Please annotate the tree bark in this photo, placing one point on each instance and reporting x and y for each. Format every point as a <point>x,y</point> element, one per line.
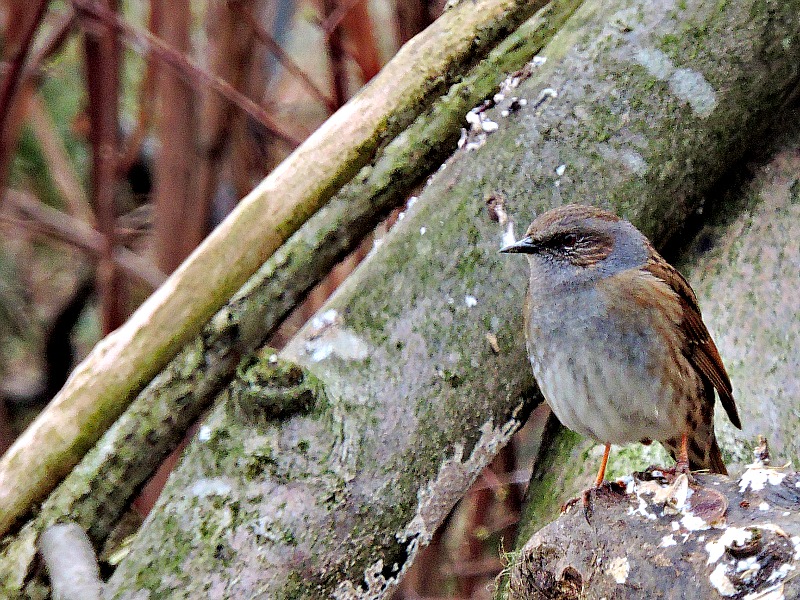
<point>644,106</point>
<point>655,542</point>
<point>95,395</point>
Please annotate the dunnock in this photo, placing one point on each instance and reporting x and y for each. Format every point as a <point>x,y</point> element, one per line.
<point>616,339</point>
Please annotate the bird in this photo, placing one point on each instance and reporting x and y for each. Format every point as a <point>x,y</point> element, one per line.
<point>617,342</point>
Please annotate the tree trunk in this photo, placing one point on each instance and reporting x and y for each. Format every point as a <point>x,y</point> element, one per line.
<point>639,108</point>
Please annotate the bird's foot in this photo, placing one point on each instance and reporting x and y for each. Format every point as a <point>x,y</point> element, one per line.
<point>608,489</point>
<point>666,475</point>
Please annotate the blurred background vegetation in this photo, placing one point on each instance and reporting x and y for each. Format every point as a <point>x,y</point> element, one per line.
<point>127,131</point>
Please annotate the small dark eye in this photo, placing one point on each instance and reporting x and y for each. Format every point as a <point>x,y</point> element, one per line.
<point>570,240</point>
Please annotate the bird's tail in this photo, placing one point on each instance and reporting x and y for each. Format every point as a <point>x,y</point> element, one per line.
<point>715,464</point>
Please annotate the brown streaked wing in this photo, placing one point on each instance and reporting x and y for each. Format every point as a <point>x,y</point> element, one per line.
<point>700,350</point>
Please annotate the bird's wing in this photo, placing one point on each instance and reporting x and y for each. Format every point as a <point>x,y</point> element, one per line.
<point>700,348</point>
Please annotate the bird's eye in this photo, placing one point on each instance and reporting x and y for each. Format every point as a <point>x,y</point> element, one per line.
<point>570,240</point>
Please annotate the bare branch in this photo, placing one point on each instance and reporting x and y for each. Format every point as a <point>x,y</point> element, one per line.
<point>265,38</point>
<point>191,72</point>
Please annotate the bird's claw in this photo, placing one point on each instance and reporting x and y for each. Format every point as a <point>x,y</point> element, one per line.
<point>587,497</point>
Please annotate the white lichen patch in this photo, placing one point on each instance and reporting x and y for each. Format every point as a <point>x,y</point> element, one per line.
<point>619,569</point>
<point>687,85</point>
<point>328,337</point>
<point>720,581</point>
<point>376,585</point>
<point>691,87</point>
<point>781,572</point>
<point>489,126</point>
<point>641,509</point>
<point>470,301</point>
<point>756,477</point>
<point>204,434</point>
<point>764,506</point>
<point>215,486</point>
<point>634,161</point>
<point>667,541</point>
<point>691,522</point>
<point>732,536</point>
<point>774,592</point>
<point>322,320</point>
<point>657,63</point>
<point>747,568</point>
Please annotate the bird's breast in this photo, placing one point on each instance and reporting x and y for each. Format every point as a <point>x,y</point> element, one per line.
<point>603,371</point>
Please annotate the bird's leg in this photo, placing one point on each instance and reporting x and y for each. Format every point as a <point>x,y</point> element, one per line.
<point>599,484</point>
<point>682,464</point>
<point>670,475</point>
<point>601,473</point>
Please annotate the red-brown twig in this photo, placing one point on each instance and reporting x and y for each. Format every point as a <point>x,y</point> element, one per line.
<point>275,48</point>
<point>180,219</point>
<point>17,88</point>
<point>102,78</point>
<point>16,61</point>
<point>58,33</point>
<point>193,74</point>
<point>333,18</point>
<point>147,95</point>
<point>19,46</point>
<point>336,54</point>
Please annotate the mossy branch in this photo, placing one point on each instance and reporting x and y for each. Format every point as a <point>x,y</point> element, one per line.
<point>103,385</point>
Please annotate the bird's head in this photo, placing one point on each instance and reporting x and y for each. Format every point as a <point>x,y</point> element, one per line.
<point>579,240</point>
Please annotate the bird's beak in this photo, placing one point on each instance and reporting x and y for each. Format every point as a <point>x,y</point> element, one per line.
<point>524,246</point>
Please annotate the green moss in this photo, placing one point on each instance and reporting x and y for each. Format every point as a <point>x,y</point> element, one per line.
<point>794,192</point>
<point>625,460</point>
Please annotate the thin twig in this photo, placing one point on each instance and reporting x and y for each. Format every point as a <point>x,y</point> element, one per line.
<point>336,54</point>
<point>59,31</point>
<point>334,18</point>
<point>12,80</point>
<point>16,62</point>
<point>187,69</point>
<point>53,223</point>
<point>9,131</point>
<point>58,162</point>
<point>102,79</point>
<point>263,35</point>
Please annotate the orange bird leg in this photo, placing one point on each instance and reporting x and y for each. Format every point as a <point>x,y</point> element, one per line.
<point>601,474</point>
<point>598,484</point>
<point>682,464</point>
